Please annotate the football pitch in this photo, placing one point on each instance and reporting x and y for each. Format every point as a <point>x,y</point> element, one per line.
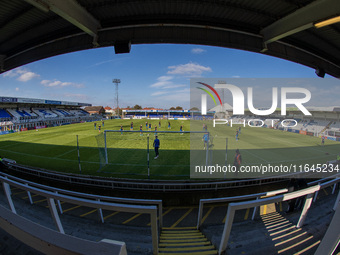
<point>55,148</point>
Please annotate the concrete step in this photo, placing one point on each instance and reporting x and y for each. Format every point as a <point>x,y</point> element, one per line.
<point>185,241</point>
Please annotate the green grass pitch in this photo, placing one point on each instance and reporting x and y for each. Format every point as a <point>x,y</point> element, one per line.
<point>56,148</point>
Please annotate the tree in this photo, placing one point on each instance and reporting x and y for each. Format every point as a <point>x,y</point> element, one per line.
<point>194,109</point>
<point>172,108</point>
<point>137,107</point>
<point>179,108</point>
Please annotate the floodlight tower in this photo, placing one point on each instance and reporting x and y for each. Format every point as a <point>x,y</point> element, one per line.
<point>116,81</point>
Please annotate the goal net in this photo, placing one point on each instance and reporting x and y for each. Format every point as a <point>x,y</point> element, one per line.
<point>131,153</point>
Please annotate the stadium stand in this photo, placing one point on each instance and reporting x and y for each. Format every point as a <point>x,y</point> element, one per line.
<point>62,112</point>
<point>21,114</point>
<point>4,115</point>
<point>46,113</point>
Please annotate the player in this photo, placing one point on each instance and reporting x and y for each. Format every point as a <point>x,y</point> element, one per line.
<point>156,144</point>
<point>121,129</point>
<point>323,140</point>
<point>169,125</point>
<point>99,127</point>
<point>149,126</point>
<point>237,160</point>
<point>131,126</point>
<point>155,130</point>
<point>181,130</point>
<point>206,141</point>
<point>141,130</point>
<point>146,125</point>
<point>159,124</point>
<point>103,123</point>
<point>239,130</point>
<point>95,125</point>
<point>237,135</point>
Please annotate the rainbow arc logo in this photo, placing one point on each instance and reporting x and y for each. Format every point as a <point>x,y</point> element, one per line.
<point>209,93</point>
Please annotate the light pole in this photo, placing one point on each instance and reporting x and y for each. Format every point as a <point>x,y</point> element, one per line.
<point>116,81</point>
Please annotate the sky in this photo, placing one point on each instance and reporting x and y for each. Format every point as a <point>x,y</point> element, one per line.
<point>155,75</point>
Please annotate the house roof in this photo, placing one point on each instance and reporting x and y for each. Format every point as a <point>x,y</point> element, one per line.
<point>94,108</point>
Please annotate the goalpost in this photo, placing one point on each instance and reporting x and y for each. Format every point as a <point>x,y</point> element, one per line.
<point>131,149</point>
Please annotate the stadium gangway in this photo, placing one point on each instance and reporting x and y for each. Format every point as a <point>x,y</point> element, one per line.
<point>233,207</point>
<point>233,199</point>
<point>90,196</point>
<point>49,241</point>
<point>51,197</point>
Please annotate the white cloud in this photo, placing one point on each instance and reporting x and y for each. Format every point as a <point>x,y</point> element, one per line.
<point>56,83</point>
<point>76,96</point>
<point>197,50</point>
<point>162,81</point>
<point>173,86</point>
<point>158,93</point>
<point>9,74</point>
<point>24,74</point>
<point>16,89</point>
<point>189,69</point>
<point>165,82</point>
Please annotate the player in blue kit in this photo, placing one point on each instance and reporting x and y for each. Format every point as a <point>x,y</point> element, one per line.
<point>156,144</point>
<point>206,140</point>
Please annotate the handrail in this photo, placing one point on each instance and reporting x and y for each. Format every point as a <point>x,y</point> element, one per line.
<point>233,207</point>
<point>49,241</point>
<point>324,180</point>
<point>51,196</point>
<point>91,196</point>
<point>235,198</point>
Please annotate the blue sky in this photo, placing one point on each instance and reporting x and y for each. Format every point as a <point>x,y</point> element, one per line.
<point>151,75</point>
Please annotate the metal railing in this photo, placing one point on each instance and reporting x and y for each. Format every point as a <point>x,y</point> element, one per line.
<point>158,203</point>
<point>320,181</point>
<point>233,207</point>
<point>256,196</point>
<point>52,196</point>
<point>233,199</point>
<point>147,185</point>
<point>49,241</point>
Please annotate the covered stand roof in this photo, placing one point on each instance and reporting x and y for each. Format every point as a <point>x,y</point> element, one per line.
<point>35,29</point>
